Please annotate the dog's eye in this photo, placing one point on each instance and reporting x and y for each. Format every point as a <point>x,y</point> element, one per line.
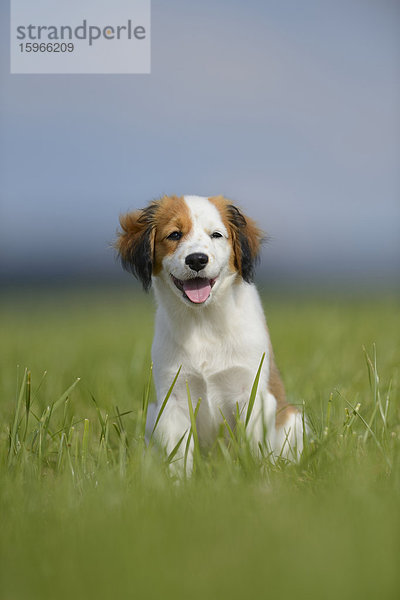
<point>216,234</point>
<point>175,235</point>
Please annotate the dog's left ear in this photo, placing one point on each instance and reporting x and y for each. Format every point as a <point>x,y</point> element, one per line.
<point>135,243</point>
<point>247,239</point>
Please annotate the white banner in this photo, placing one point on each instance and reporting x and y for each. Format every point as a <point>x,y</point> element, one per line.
<point>80,36</point>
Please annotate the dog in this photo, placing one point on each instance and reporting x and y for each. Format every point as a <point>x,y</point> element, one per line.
<point>199,254</point>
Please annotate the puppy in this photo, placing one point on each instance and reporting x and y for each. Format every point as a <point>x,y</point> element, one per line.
<point>199,254</point>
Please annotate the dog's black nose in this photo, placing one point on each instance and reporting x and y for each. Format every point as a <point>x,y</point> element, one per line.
<point>196,261</point>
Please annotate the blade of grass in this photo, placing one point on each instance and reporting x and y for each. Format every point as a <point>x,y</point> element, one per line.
<point>160,412</point>
<point>328,414</point>
<point>14,428</point>
<point>228,427</point>
<point>192,432</point>
<point>65,395</point>
<point>27,402</point>
<point>85,445</point>
<point>60,451</point>
<point>175,449</point>
<point>379,445</point>
<point>145,404</point>
<point>254,392</point>
<point>100,418</point>
<point>193,419</point>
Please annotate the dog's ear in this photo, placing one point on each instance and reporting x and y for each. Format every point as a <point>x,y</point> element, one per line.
<point>135,243</point>
<point>246,239</point>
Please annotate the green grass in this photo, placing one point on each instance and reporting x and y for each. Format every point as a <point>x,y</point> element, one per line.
<point>86,510</point>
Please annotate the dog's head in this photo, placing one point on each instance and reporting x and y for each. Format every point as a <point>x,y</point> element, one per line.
<point>191,243</point>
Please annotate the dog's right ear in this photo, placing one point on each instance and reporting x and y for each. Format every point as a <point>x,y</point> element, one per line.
<point>247,239</point>
<point>135,243</point>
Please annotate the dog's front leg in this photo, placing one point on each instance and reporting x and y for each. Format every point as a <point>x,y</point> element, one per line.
<point>172,433</point>
<point>173,429</point>
<point>261,425</point>
<point>284,441</point>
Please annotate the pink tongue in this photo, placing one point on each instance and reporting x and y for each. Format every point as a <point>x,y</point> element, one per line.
<point>197,290</point>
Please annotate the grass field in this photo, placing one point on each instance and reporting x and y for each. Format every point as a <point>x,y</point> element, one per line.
<point>88,512</point>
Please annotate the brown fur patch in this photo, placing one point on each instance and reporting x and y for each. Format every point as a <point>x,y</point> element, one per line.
<point>135,243</point>
<point>241,229</point>
<point>133,226</point>
<point>276,387</point>
<point>146,231</point>
<point>172,215</point>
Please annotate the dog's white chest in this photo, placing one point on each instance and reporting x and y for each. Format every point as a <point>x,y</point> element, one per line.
<point>219,358</point>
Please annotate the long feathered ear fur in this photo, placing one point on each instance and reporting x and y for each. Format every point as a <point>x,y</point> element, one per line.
<point>135,243</point>
<point>247,239</point>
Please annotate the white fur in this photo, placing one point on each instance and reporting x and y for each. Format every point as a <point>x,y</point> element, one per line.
<point>219,345</point>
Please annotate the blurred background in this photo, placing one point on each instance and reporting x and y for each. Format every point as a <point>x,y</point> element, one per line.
<point>290,109</point>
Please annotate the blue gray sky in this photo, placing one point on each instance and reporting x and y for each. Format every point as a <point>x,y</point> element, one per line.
<point>292,109</point>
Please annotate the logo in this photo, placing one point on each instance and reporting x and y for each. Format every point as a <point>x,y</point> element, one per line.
<point>81,32</point>
<point>67,36</point>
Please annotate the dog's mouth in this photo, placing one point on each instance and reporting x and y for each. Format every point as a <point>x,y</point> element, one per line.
<point>196,290</point>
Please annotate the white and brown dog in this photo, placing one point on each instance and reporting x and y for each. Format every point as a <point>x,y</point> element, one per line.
<point>199,253</point>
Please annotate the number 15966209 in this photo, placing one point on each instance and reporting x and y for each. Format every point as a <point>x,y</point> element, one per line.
<point>47,47</point>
